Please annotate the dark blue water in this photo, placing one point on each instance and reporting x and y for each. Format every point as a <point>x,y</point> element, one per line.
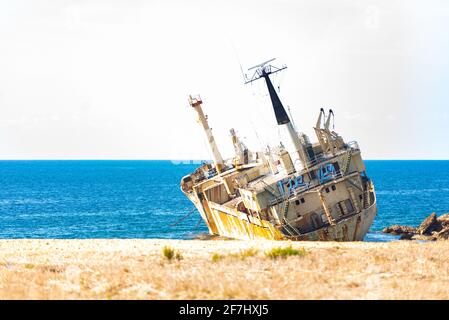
<point>141,199</point>
<point>407,192</point>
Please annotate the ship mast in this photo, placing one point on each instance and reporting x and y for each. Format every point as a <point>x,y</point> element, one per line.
<point>264,70</point>
<point>196,103</point>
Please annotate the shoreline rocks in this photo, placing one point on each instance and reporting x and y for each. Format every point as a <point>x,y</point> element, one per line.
<point>397,229</point>
<point>431,229</point>
<point>429,225</point>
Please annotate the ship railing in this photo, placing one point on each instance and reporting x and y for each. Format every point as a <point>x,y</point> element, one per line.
<point>321,157</point>
<point>353,145</point>
<point>315,160</point>
<point>305,187</point>
<point>270,189</point>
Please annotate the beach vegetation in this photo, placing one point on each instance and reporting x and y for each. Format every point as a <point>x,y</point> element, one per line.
<point>245,253</point>
<point>242,254</point>
<point>170,253</point>
<point>250,252</point>
<point>279,252</point>
<point>217,257</point>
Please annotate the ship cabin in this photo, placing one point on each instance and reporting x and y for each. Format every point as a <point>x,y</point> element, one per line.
<point>331,189</point>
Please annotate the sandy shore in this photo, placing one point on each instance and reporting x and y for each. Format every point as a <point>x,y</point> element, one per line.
<point>221,269</point>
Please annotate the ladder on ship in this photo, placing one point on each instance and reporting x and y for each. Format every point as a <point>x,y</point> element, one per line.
<point>346,162</point>
<point>366,197</point>
<point>284,209</point>
<point>291,230</point>
<point>270,189</point>
<point>355,201</point>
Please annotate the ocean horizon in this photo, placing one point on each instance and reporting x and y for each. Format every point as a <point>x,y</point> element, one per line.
<point>71,199</point>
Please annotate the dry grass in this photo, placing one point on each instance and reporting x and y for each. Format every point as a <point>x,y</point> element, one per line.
<point>285,252</point>
<point>171,253</point>
<point>140,269</point>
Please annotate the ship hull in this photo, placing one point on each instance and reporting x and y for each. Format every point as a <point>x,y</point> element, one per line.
<point>353,228</point>
<point>244,227</point>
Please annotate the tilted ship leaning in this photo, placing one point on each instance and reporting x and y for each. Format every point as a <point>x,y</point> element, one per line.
<point>264,195</point>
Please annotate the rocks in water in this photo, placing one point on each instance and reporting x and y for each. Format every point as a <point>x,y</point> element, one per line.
<point>406,236</point>
<point>397,229</point>
<point>444,220</point>
<point>429,225</point>
<point>422,237</point>
<point>431,229</point>
<point>406,232</point>
<point>443,234</point>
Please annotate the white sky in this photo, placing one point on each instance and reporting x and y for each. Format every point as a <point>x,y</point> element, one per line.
<point>110,79</point>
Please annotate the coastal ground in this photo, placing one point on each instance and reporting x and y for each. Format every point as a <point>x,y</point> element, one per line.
<point>222,269</point>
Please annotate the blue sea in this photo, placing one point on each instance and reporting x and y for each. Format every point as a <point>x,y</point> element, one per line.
<point>142,199</point>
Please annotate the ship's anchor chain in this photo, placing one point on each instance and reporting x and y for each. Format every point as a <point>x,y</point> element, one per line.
<point>198,224</point>
<point>183,218</point>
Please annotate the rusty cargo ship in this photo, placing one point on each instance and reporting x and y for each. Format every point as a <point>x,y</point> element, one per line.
<point>325,195</point>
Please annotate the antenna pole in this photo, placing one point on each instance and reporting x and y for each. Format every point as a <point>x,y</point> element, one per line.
<point>264,71</point>
<point>291,117</point>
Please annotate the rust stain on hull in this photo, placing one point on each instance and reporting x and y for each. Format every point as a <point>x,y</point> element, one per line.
<point>229,225</point>
<point>234,227</point>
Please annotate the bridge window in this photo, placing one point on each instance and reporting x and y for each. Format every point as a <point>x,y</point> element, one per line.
<point>334,187</point>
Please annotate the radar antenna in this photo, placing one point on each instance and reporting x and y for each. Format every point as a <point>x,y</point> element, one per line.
<point>263,70</point>
<point>261,64</point>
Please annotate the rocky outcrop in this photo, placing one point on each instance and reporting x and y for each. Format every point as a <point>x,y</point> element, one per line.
<point>429,225</point>
<point>444,220</point>
<point>397,229</point>
<point>422,237</point>
<point>432,228</point>
<point>444,234</point>
<point>407,236</point>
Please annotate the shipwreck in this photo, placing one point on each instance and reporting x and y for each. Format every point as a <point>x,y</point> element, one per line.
<point>326,195</point>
